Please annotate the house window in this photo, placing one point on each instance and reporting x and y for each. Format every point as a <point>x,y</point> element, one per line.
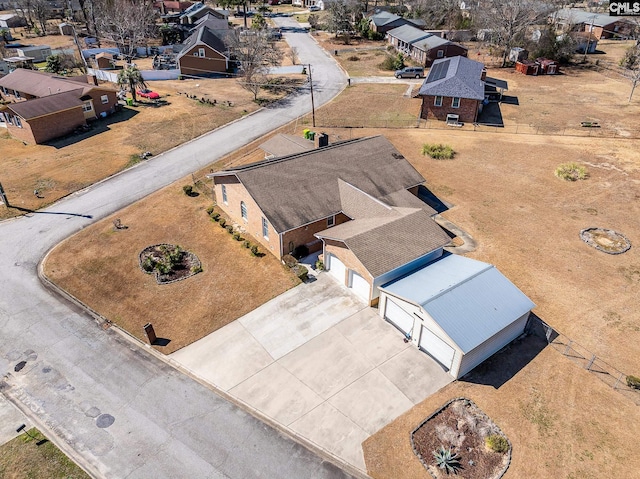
<point>2,118</point>
<point>455,102</point>
<point>86,106</point>
<point>224,194</point>
<point>201,52</point>
<point>265,228</point>
<point>104,99</point>
<point>243,210</point>
<point>437,101</point>
<point>18,122</point>
<point>331,220</point>
<point>17,94</point>
<point>440,53</point>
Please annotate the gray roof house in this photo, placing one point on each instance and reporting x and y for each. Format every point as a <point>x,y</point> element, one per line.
<point>354,200</point>
<point>455,77</point>
<point>204,52</point>
<point>423,47</point>
<point>599,24</point>
<point>383,21</point>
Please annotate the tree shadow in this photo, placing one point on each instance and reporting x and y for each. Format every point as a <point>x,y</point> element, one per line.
<point>28,210</point>
<point>96,127</point>
<point>507,362</point>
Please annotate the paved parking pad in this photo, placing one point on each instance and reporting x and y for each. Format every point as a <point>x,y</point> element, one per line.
<point>320,362</point>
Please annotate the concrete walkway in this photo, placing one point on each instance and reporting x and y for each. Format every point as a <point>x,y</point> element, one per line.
<point>319,362</point>
<point>10,419</point>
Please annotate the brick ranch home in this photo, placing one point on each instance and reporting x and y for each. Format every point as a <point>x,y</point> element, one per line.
<point>454,86</point>
<point>355,201</point>
<point>44,106</point>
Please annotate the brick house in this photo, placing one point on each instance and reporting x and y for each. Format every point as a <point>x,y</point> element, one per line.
<point>44,106</point>
<point>383,21</point>
<point>421,46</point>
<point>355,201</point>
<point>204,52</point>
<point>454,86</point>
<point>598,24</point>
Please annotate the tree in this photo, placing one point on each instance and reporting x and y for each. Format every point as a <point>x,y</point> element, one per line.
<point>631,64</point>
<point>340,19</point>
<point>509,19</point>
<point>256,54</point>
<point>438,13</point>
<point>54,64</point>
<point>556,47</point>
<point>258,22</point>
<point>127,23</point>
<point>131,78</point>
<point>41,10</point>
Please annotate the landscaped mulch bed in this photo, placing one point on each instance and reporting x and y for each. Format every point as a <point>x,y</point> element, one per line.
<point>180,264</point>
<point>461,426</point>
<point>605,240</point>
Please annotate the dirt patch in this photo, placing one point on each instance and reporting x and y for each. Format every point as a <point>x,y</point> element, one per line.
<point>460,430</point>
<point>100,266</point>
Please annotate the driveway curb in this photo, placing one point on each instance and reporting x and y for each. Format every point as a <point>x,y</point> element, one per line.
<point>104,323</point>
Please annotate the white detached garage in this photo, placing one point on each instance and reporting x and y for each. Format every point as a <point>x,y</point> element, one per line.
<point>458,310</point>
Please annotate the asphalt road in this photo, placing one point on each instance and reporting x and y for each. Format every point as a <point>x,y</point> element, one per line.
<point>115,408</point>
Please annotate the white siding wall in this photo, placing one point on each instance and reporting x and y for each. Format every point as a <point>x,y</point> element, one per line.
<point>490,346</point>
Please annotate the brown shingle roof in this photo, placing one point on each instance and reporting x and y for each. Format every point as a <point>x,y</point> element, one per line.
<point>282,145</point>
<point>299,189</point>
<point>40,84</point>
<point>46,105</point>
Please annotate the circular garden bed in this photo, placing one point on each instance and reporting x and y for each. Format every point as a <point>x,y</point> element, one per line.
<point>459,439</point>
<point>169,263</point>
<point>608,241</point>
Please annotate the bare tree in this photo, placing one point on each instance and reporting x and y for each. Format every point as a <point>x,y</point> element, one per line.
<point>340,19</point>
<point>438,13</point>
<point>293,55</point>
<point>631,64</point>
<point>509,20</point>
<point>255,53</point>
<point>41,10</point>
<point>127,23</point>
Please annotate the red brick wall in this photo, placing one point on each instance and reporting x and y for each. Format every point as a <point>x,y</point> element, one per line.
<point>349,259</point>
<point>304,234</point>
<point>213,62</point>
<point>468,109</point>
<point>449,50</point>
<point>45,128</point>
<point>98,106</point>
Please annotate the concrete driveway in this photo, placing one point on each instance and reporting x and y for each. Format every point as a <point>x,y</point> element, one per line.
<point>319,362</point>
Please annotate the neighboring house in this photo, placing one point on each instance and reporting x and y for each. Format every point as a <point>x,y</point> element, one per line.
<point>423,47</point>
<point>165,7</point>
<point>355,200</point>
<point>219,26</point>
<point>203,53</point>
<point>199,10</point>
<point>39,53</point>
<point>383,21</point>
<point>454,86</point>
<point>11,20</point>
<point>458,310</point>
<point>283,145</point>
<point>599,24</point>
<point>42,112</point>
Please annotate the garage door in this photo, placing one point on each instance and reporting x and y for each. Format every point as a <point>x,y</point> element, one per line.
<point>436,347</point>
<point>360,286</point>
<point>398,317</point>
<point>337,268</point>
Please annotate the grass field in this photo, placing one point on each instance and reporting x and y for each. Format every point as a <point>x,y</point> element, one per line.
<point>33,456</point>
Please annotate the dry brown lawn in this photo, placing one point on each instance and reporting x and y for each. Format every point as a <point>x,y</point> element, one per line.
<point>66,166</point>
<point>100,267</point>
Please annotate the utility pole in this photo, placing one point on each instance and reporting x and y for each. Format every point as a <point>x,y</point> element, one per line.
<point>313,107</point>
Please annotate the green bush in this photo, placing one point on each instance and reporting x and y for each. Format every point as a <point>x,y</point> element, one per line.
<point>237,237</point>
<point>247,244</point>
<point>289,260</point>
<point>229,229</point>
<point>438,151</point>
<point>196,269</point>
<point>319,265</point>
<point>222,222</point>
<point>497,443</point>
<point>571,172</point>
<point>188,190</point>
<point>149,264</point>
<point>254,250</point>
<point>447,460</point>
<point>210,210</point>
<point>215,217</point>
<point>633,382</point>
<point>301,272</point>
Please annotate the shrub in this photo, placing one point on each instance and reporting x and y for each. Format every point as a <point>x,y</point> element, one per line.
<point>254,250</point>
<point>222,222</point>
<point>438,151</point>
<point>215,217</point>
<point>210,210</point>
<point>196,269</point>
<point>301,272</point>
<point>497,443</point>
<point>229,229</point>
<point>446,459</point>
<point>353,58</point>
<point>247,244</point>
<point>388,64</point>
<point>237,237</point>
<point>149,264</point>
<point>571,172</point>
<point>633,382</point>
<point>188,190</point>
<point>319,265</point>
<point>300,251</point>
<point>289,260</point>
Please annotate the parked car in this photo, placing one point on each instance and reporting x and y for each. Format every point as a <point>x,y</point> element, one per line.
<point>314,8</point>
<point>146,93</point>
<point>410,72</point>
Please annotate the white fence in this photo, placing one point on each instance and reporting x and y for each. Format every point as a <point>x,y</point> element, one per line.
<point>147,75</point>
<point>103,75</point>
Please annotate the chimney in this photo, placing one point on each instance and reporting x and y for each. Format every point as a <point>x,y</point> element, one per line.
<point>484,74</point>
<point>323,140</point>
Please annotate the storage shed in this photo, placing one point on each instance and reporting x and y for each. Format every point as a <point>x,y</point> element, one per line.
<point>548,67</point>
<point>39,53</point>
<point>457,310</point>
<point>518,54</point>
<point>66,28</point>
<point>527,67</point>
